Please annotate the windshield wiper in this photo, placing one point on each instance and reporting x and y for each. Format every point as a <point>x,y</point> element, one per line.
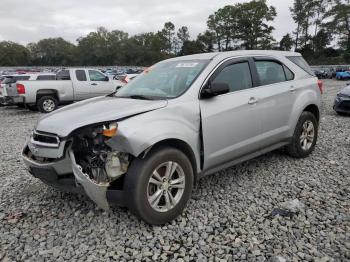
<point>141,97</point>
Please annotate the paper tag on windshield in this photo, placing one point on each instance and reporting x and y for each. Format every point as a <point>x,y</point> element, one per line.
<point>187,65</point>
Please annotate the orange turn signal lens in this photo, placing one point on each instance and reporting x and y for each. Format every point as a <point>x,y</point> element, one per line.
<point>111,131</point>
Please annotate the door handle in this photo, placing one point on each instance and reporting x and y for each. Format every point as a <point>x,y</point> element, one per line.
<point>252,101</point>
<point>94,84</point>
<point>292,89</point>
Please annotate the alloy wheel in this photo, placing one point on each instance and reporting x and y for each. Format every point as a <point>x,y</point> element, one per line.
<point>166,186</point>
<point>307,135</point>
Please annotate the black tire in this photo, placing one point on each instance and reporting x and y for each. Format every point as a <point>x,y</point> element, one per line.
<point>136,185</point>
<point>42,104</point>
<point>20,105</point>
<point>295,149</point>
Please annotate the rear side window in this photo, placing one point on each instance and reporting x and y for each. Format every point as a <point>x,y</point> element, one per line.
<point>9,80</point>
<point>80,74</point>
<point>21,78</point>
<point>14,79</point>
<point>300,61</point>
<point>237,76</point>
<point>46,77</point>
<point>289,73</point>
<point>270,72</point>
<point>63,75</point>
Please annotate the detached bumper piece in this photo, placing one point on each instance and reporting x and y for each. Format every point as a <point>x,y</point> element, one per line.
<point>73,181</point>
<point>96,192</point>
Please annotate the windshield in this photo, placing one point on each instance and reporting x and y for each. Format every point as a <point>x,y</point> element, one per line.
<point>164,80</point>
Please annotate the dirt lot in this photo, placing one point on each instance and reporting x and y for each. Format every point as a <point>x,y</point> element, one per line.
<point>228,218</point>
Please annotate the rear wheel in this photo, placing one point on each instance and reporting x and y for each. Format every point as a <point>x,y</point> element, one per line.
<point>47,104</point>
<point>304,137</point>
<point>159,186</point>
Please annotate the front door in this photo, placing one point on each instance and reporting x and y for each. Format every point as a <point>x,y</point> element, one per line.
<point>81,85</point>
<point>100,84</point>
<point>231,122</point>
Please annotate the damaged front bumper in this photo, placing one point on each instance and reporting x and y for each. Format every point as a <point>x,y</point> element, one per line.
<point>65,174</point>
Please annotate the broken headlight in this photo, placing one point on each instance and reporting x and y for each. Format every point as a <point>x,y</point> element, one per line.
<point>99,161</point>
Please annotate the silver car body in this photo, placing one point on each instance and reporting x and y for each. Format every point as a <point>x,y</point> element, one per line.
<point>215,133</point>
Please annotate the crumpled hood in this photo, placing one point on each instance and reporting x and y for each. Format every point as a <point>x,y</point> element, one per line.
<point>96,110</point>
<point>346,90</point>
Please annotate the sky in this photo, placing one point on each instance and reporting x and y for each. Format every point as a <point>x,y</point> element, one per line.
<point>26,21</point>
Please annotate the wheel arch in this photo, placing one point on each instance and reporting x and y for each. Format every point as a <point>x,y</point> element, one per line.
<point>312,108</point>
<point>47,92</point>
<point>181,146</point>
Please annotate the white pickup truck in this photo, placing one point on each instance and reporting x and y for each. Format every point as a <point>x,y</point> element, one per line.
<point>71,85</point>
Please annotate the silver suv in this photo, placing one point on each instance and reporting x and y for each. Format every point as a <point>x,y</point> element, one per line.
<point>146,146</point>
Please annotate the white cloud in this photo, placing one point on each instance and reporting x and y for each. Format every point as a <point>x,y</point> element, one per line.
<point>29,21</point>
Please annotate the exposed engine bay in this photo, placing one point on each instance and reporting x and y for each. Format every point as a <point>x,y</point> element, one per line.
<point>95,164</point>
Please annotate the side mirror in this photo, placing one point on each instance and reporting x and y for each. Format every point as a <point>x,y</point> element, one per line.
<point>106,78</point>
<point>215,89</point>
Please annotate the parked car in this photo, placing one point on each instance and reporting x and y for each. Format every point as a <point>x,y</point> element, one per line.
<point>8,91</point>
<point>345,75</point>
<point>342,101</point>
<point>147,145</point>
<point>323,73</point>
<point>71,85</point>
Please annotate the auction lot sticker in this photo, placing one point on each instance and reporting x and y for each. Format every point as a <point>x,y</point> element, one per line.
<point>187,65</point>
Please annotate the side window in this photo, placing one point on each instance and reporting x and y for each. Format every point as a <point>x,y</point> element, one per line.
<point>63,75</point>
<point>46,77</point>
<point>289,73</point>
<point>270,72</point>
<point>80,74</point>
<point>237,76</point>
<point>21,78</point>
<point>96,76</point>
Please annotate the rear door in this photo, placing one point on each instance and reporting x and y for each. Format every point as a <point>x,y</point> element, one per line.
<point>82,88</point>
<point>100,84</point>
<point>277,96</point>
<point>231,122</point>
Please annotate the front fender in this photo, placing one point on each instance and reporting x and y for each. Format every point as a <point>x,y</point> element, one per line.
<point>138,133</point>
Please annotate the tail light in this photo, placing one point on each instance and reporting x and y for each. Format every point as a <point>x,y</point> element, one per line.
<point>320,86</point>
<point>20,89</point>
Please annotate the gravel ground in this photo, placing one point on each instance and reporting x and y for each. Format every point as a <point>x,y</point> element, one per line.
<point>228,218</point>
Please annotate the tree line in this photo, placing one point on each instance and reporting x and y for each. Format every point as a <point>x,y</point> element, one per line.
<point>321,34</point>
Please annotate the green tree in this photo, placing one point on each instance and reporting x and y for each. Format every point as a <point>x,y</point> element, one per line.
<point>321,40</point>
<point>13,54</point>
<point>183,34</point>
<point>53,51</point>
<point>222,24</point>
<point>253,28</point>
<point>168,33</point>
<point>207,40</point>
<point>339,16</point>
<point>93,48</point>
<point>286,43</point>
<point>192,47</point>
<point>306,13</point>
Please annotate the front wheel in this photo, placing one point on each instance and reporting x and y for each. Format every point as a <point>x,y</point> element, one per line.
<point>304,137</point>
<point>159,186</point>
<point>47,104</point>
